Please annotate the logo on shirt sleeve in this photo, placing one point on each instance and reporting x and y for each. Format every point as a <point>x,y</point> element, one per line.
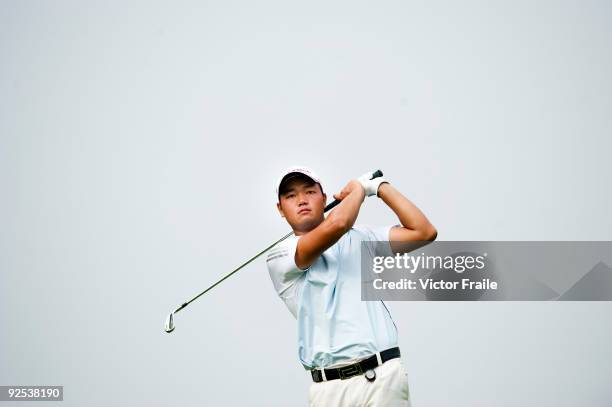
<point>277,253</point>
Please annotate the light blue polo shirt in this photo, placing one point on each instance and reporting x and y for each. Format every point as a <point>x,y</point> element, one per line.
<point>334,326</point>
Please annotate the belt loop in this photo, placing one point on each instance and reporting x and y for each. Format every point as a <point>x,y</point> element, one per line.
<point>323,374</point>
<point>379,359</point>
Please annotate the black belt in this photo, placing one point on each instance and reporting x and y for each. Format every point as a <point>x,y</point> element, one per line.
<point>355,369</point>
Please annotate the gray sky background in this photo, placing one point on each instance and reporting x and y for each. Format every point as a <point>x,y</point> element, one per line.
<point>140,142</point>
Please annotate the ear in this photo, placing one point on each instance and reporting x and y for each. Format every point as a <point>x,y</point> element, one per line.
<point>280,210</point>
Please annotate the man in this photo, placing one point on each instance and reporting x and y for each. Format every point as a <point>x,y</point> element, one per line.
<point>350,346</point>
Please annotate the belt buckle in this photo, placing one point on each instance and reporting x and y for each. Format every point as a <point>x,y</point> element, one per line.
<point>350,371</point>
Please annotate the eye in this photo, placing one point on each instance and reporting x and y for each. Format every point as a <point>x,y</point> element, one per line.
<point>289,196</point>
<point>311,192</point>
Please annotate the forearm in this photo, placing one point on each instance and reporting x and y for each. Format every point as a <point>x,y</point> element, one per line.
<point>408,214</point>
<point>345,214</point>
<point>339,221</point>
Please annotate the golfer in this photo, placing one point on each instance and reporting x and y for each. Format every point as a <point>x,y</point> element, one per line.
<point>349,346</point>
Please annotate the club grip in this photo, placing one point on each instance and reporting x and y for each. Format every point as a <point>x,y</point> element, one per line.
<point>331,205</point>
<point>375,174</point>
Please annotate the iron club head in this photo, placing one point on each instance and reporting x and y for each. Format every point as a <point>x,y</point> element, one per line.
<point>170,323</point>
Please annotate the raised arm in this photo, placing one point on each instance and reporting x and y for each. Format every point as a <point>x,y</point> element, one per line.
<point>415,225</point>
<point>327,233</point>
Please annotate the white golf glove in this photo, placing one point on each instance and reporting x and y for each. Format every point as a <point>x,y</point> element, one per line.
<point>371,185</point>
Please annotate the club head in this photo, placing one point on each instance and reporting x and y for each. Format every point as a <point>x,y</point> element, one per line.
<point>170,323</point>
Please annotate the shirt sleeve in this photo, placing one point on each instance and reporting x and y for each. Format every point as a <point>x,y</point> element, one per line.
<point>284,272</point>
<point>377,234</point>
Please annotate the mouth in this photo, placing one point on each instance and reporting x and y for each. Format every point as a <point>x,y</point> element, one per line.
<point>303,211</point>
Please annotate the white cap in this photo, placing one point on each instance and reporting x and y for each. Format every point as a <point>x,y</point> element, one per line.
<point>297,169</point>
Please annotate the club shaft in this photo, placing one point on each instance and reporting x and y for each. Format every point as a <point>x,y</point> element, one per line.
<point>230,274</point>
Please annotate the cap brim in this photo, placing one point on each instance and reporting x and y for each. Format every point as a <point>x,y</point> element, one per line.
<point>291,176</point>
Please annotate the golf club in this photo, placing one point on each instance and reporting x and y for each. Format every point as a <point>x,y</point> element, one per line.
<point>169,327</point>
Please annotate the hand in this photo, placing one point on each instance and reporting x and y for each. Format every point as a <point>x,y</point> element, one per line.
<point>353,185</point>
<point>370,185</point>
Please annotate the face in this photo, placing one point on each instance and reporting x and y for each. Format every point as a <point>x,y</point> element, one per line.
<point>302,204</point>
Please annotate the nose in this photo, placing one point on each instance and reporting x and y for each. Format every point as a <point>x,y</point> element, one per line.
<point>302,199</point>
